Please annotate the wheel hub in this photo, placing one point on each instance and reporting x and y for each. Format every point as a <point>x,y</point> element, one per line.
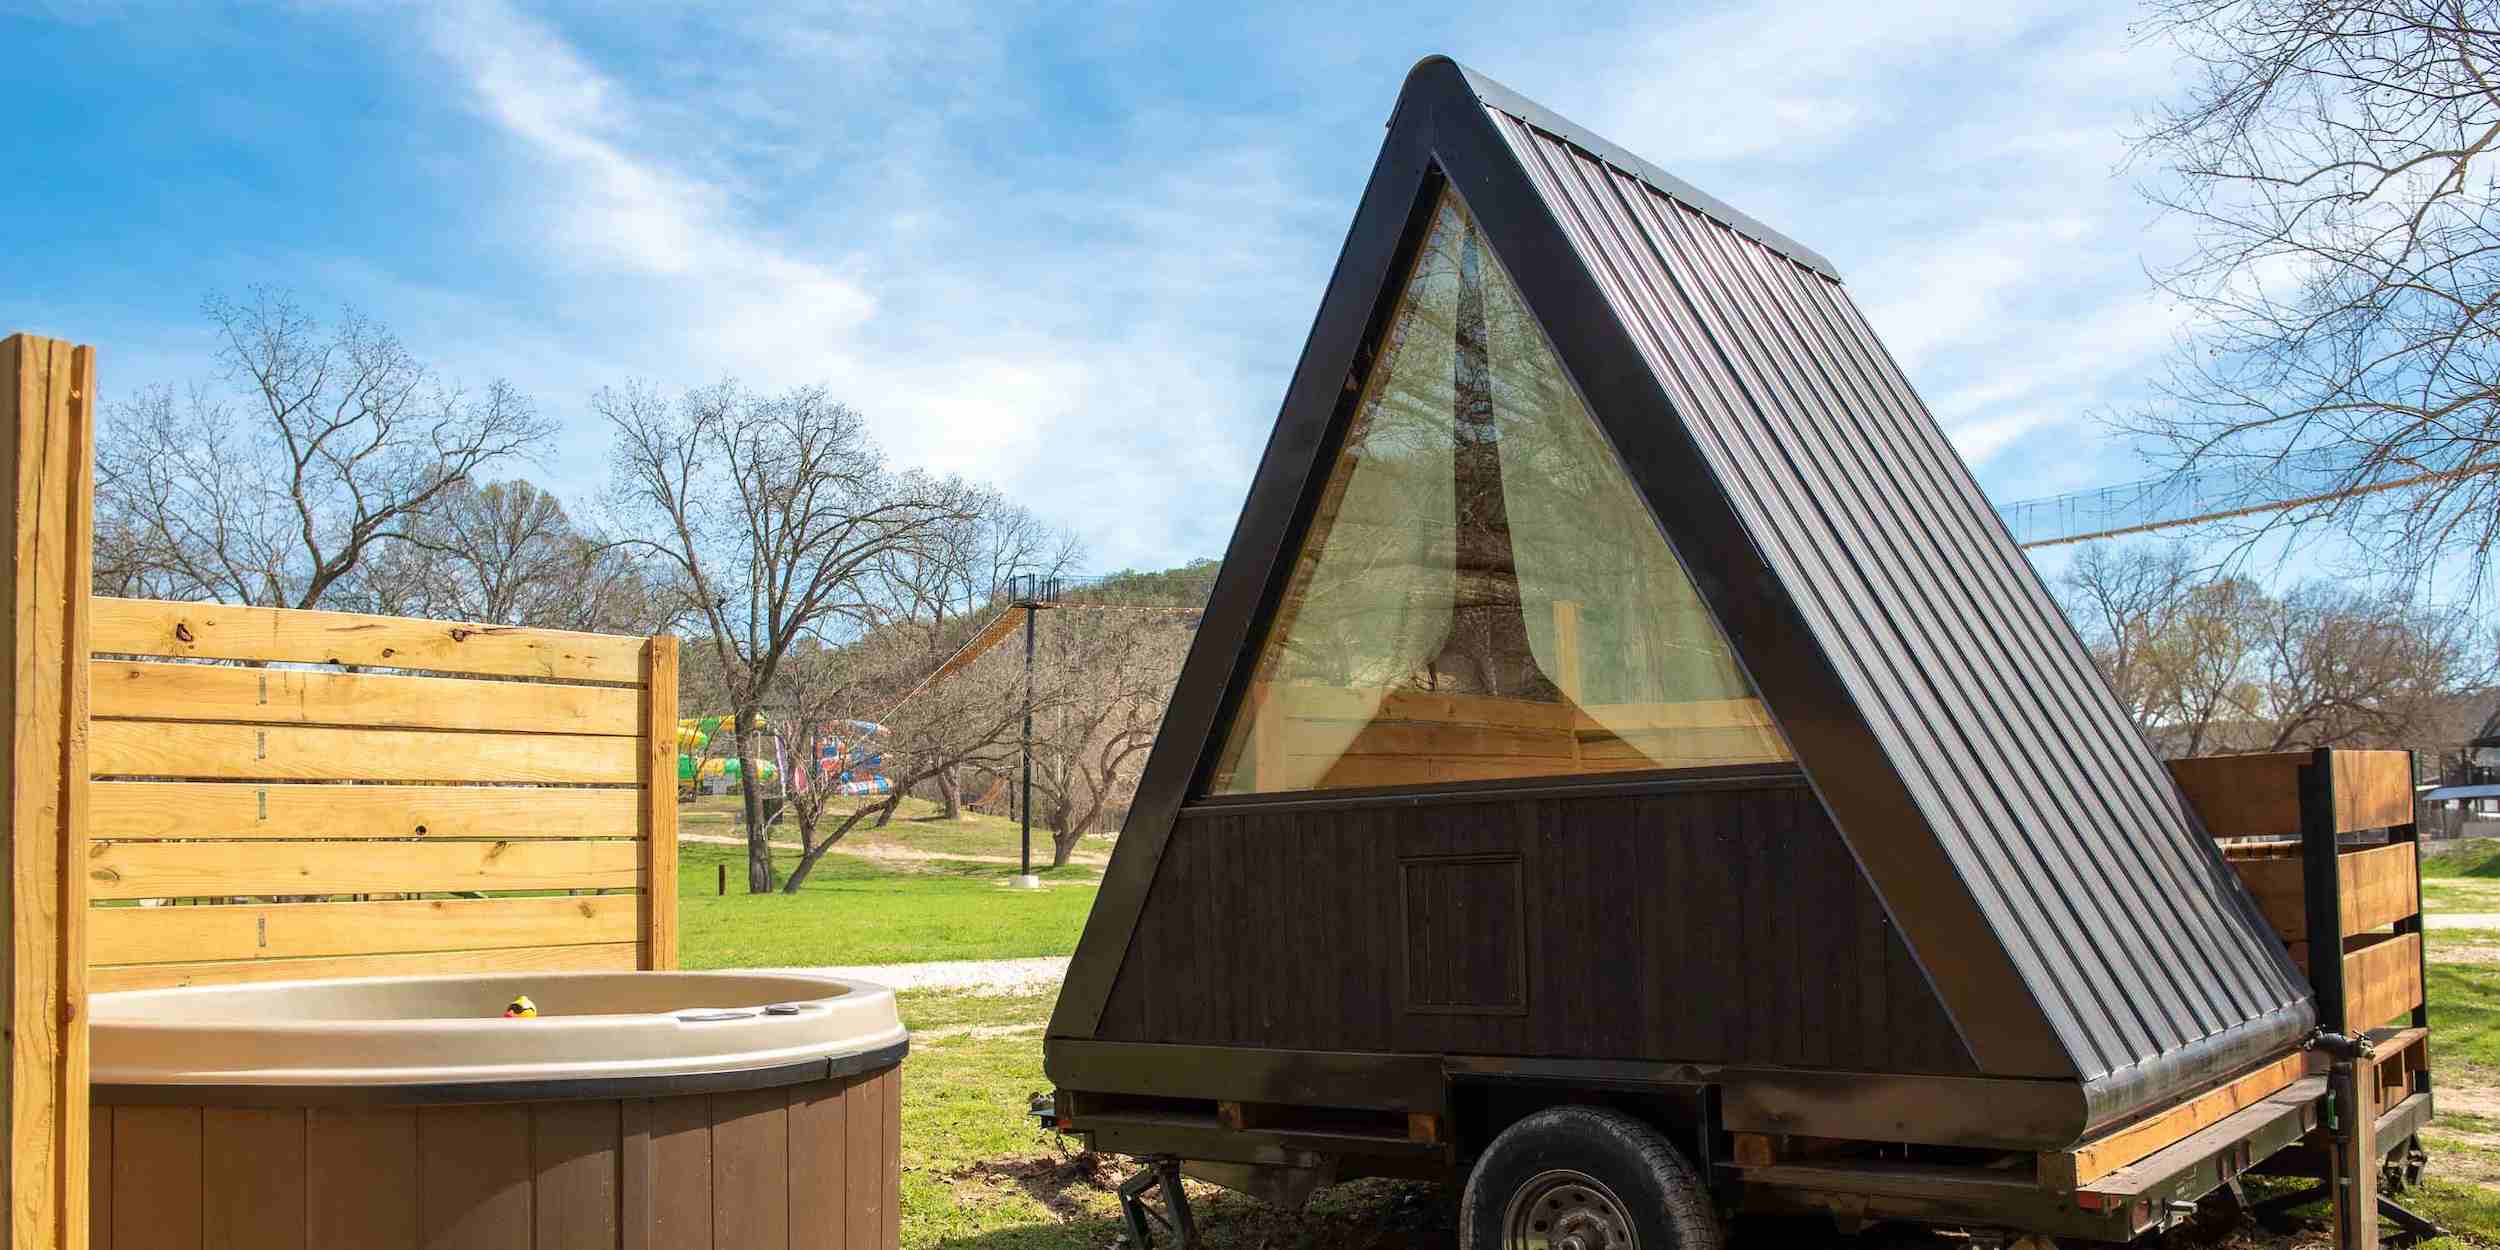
<point>1567,1210</point>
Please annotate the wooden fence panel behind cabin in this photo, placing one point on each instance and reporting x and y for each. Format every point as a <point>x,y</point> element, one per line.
<point>284,794</point>
<point>2377,886</point>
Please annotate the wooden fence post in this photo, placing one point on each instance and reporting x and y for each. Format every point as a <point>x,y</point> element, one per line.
<point>659,805</point>
<point>47,399</point>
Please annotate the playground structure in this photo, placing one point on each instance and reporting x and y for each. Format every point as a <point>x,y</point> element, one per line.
<point>848,760</point>
<point>695,765</point>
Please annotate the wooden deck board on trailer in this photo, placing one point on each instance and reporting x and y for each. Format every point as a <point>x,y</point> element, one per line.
<point>2067,1169</point>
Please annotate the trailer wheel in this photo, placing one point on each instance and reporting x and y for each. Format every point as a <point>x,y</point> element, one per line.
<point>1584,1178</point>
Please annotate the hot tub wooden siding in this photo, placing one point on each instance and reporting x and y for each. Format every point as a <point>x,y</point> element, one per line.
<point>812,1166</point>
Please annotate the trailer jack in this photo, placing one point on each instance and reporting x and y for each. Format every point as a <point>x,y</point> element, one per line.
<point>2412,1228</point>
<point>1161,1172</point>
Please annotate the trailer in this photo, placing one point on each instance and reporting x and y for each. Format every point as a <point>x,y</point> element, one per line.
<point>1625,765</point>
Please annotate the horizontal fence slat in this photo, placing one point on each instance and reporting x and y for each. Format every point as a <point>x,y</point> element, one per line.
<point>123,748</point>
<point>605,957</point>
<point>2258,796</point>
<point>2377,889</point>
<point>117,870</point>
<point>157,690</point>
<point>2373,789</point>
<point>158,810</point>
<point>149,935</point>
<point>225,632</point>
<point>2382,981</point>
<point>2380,886</point>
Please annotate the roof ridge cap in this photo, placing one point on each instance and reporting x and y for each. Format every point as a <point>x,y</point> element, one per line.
<point>1494,95</point>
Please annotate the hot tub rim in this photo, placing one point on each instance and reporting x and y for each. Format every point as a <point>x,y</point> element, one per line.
<point>457,1093</point>
<point>236,1069</point>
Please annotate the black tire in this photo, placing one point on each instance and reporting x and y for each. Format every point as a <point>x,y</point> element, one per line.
<point>1584,1172</point>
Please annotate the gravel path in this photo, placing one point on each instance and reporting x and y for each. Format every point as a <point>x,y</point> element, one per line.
<point>2463,920</point>
<point>980,976</point>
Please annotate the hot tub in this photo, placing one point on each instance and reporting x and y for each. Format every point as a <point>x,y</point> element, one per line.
<point>638,1109</point>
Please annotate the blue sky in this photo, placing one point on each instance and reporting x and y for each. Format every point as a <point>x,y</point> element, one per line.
<point>1074,251</point>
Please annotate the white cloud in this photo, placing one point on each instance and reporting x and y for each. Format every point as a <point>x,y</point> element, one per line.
<point>1077,252</point>
<point>741,302</point>
<point>1103,382</point>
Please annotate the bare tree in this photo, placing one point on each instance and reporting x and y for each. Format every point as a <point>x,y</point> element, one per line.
<point>972,719</point>
<point>508,553</point>
<point>2345,667</point>
<point>941,588</point>
<point>2121,599</point>
<point>2211,663</point>
<point>2202,661</point>
<point>1116,667</point>
<point>2335,159</point>
<point>321,444</point>
<point>772,514</point>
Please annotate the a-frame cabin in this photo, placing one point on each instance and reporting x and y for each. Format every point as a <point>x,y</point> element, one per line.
<point>1616,682</point>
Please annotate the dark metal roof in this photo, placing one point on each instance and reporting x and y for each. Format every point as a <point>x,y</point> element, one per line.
<point>2134,935</point>
<point>2072,917</point>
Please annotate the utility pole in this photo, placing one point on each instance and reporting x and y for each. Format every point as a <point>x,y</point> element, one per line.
<point>1033,592</point>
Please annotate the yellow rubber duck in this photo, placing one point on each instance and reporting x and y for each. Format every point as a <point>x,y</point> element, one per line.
<point>521,1009</point>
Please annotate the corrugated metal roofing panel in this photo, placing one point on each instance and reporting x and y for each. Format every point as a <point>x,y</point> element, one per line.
<point>2129,928</point>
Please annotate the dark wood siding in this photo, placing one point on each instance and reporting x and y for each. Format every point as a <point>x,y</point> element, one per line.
<point>1722,926</point>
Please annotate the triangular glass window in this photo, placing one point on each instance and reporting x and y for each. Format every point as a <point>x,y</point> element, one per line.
<point>1483,594</point>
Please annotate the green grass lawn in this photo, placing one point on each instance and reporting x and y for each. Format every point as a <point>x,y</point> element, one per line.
<point>2465,1003</point>
<point>855,910</point>
<point>2477,858</point>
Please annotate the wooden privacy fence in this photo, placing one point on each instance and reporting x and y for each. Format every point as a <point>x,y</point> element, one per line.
<point>282,794</point>
<point>2316,884</point>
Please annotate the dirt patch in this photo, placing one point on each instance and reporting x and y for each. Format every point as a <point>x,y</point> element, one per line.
<point>1062,1183</point>
<point>891,851</point>
<point>977,1032</point>
<point>2469,1091</point>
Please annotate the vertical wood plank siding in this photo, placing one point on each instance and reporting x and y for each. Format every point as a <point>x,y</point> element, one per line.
<point>1703,926</point>
<point>802,1167</point>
